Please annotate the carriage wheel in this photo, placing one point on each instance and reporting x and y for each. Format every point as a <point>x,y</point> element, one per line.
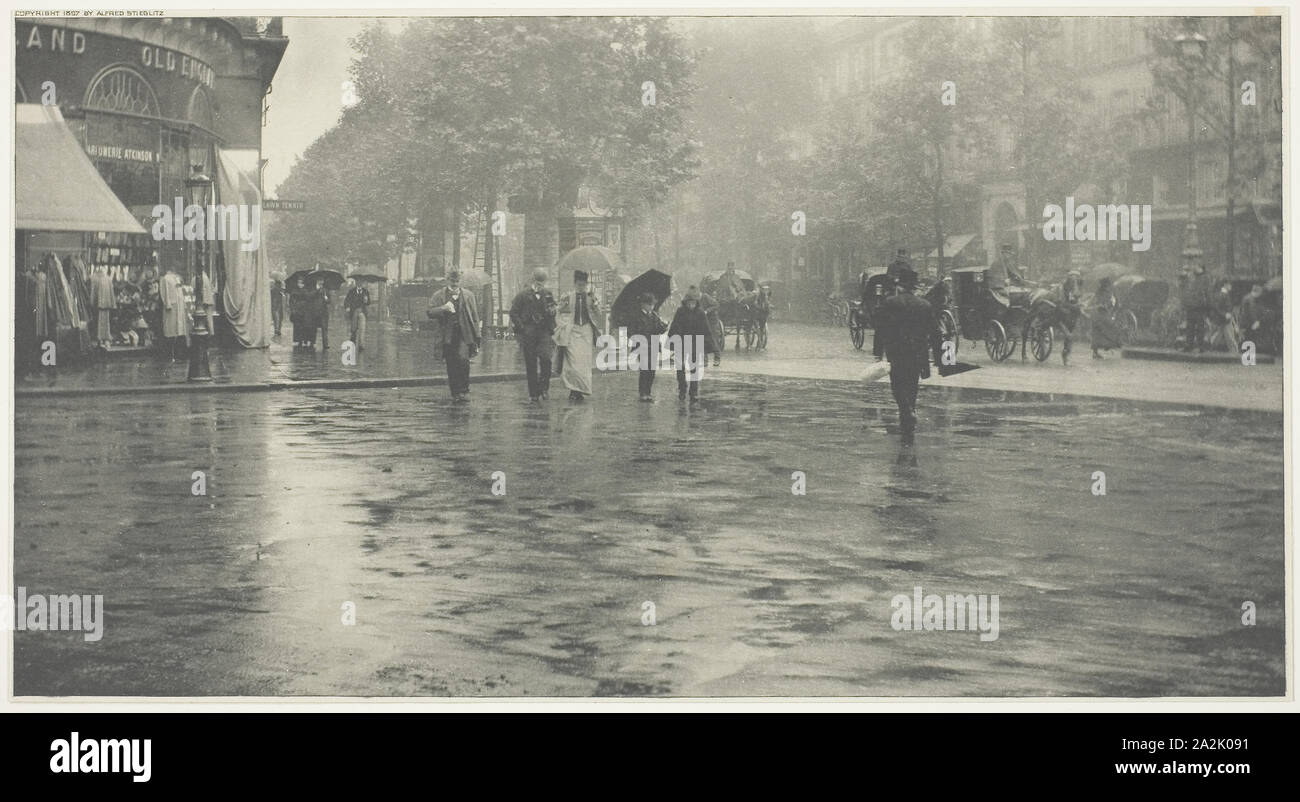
<point>1128,325</point>
<point>720,336</point>
<point>948,326</point>
<point>858,335</point>
<point>996,343</point>
<point>1040,339</point>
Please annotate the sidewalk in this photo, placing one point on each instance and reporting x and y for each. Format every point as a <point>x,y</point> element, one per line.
<point>391,358</point>
<point>806,351</point>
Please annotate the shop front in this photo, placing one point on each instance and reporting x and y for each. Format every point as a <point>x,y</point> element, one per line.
<point>152,103</point>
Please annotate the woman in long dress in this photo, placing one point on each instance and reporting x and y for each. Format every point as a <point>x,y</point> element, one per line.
<point>576,331</point>
<point>1105,331</point>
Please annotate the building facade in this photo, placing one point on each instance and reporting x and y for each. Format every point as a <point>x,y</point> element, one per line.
<point>148,98</point>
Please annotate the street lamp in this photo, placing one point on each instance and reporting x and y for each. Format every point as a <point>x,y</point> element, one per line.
<point>1191,47</point>
<point>198,189</point>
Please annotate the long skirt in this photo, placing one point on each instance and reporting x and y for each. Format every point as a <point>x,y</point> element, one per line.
<point>1105,333</point>
<point>579,357</point>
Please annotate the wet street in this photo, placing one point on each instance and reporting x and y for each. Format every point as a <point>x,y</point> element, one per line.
<point>384,499</point>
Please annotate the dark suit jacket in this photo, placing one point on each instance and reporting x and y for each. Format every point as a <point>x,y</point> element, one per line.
<point>907,331</point>
<point>469,324</point>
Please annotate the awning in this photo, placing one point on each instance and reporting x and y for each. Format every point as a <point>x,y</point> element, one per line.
<point>952,245</point>
<point>58,189</point>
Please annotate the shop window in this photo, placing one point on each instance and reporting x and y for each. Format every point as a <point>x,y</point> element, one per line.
<point>200,110</point>
<point>122,89</point>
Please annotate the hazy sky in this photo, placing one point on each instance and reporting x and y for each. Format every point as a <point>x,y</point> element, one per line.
<point>307,91</point>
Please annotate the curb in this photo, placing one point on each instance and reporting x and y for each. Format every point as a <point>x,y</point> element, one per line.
<point>254,387</point>
<point>1205,358</point>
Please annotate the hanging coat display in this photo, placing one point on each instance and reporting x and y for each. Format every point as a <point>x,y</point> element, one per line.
<point>175,321</point>
<point>104,302</point>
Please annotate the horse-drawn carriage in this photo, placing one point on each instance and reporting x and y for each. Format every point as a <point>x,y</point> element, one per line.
<point>862,309</point>
<point>1142,307</point>
<point>1027,318</point>
<point>744,316</point>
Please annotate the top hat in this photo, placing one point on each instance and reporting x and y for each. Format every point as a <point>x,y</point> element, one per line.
<point>579,276</point>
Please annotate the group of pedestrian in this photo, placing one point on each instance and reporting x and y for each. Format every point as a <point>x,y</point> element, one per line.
<point>559,337</point>
<point>309,313</point>
<point>1207,307</point>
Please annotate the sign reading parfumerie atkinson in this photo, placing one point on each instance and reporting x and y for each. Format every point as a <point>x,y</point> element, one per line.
<point>273,205</point>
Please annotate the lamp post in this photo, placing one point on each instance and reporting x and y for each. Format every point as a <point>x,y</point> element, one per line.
<point>1191,51</point>
<point>198,188</point>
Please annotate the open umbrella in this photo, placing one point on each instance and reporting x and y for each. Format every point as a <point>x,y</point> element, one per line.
<point>658,284</point>
<point>1096,273</point>
<point>333,279</point>
<point>744,277</point>
<point>593,260</point>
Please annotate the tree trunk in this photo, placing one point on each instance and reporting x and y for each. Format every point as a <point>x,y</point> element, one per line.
<point>1028,252</point>
<point>938,207</point>
<point>1232,150</point>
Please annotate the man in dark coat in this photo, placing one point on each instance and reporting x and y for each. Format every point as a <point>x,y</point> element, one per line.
<point>277,304</point>
<point>356,306</point>
<point>897,269</point>
<point>532,316</point>
<point>909,332</point>
<point>649,325</point>
<point>688,324</point>
<point>457,311</point>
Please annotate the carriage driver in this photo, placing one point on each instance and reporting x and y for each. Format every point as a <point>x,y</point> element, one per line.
<point>1000,272</point>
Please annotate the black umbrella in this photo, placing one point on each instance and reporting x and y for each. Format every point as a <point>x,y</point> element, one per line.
<point>333,280</point>
<point>658,284</point>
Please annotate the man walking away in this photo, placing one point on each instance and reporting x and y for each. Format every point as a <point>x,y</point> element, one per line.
<point>532,316</point>
<point>457,312</point>
<point>649,325</point>
<point>910,332</point>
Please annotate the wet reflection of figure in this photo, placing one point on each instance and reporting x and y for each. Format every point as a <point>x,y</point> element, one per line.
<point>909,332</point>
